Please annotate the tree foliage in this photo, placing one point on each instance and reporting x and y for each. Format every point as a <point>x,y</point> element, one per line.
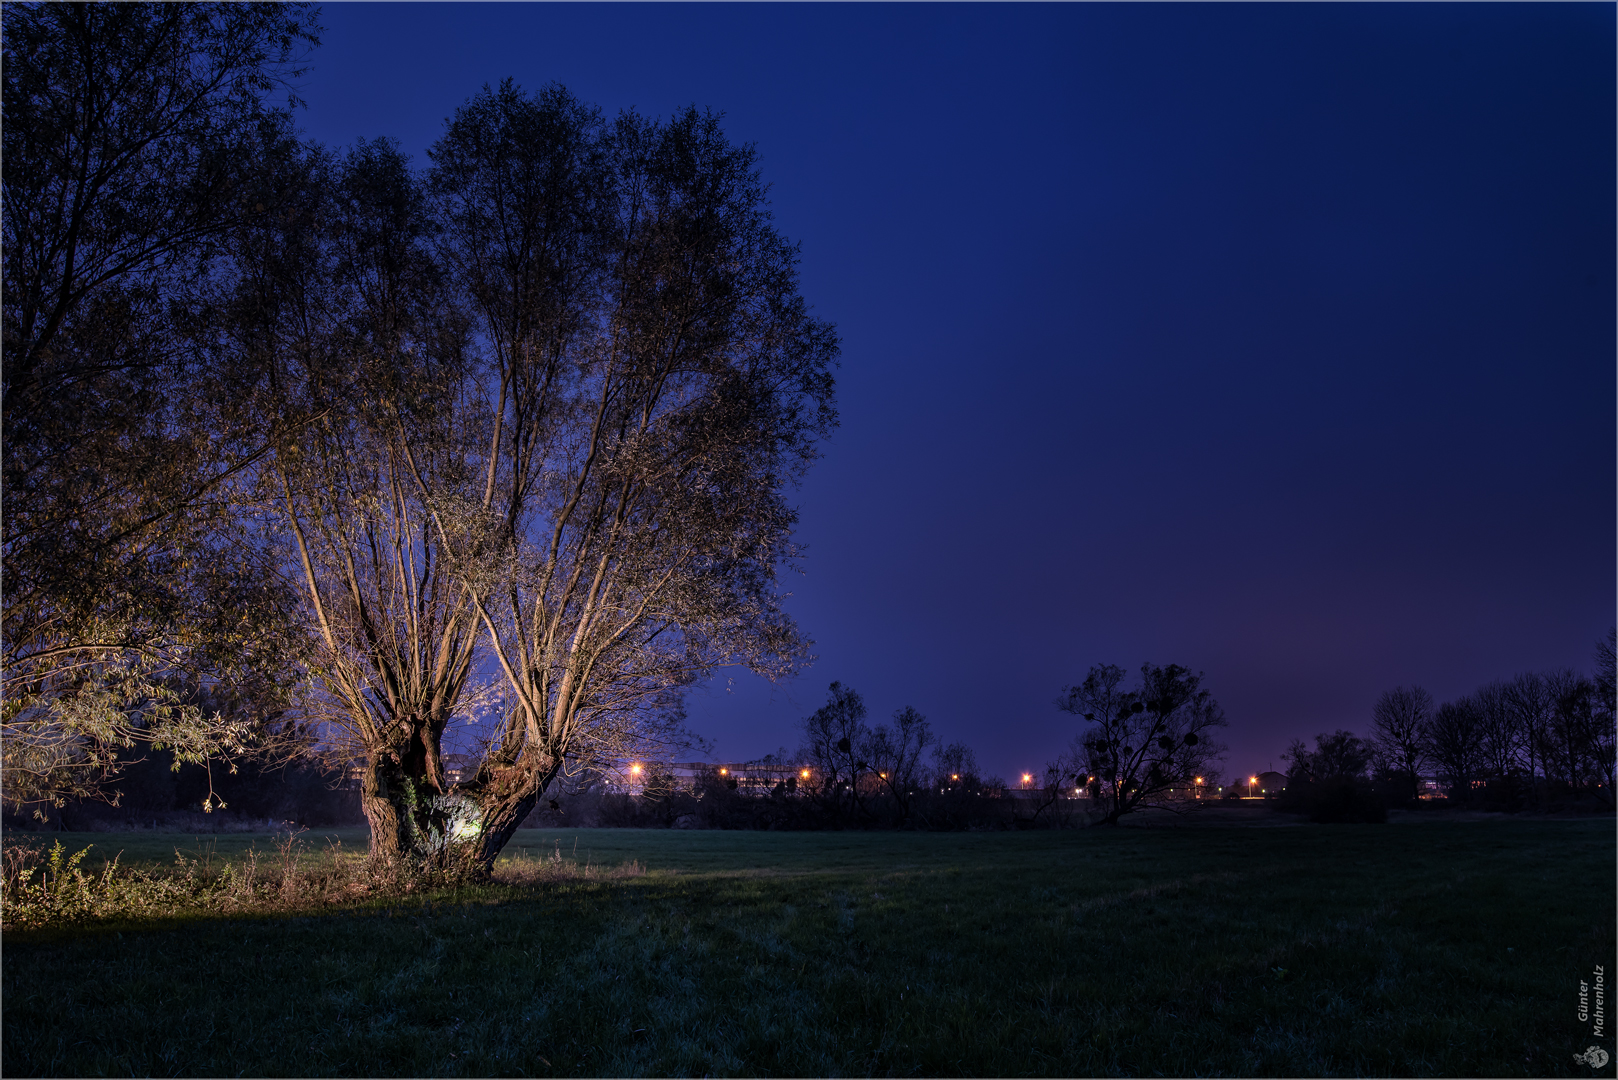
<point>527,420</point>
<point>338,303</point>
<point>656,385</point>
<point>542,408</point>
<point>1339,755</point>
<point>133,578</point>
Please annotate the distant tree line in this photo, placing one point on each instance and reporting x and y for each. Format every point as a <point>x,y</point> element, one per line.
<point>1141,745</point>
<point>846,774</point>
<point>1537,740</point>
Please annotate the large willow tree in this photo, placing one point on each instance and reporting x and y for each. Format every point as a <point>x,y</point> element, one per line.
<point>548,403</point>
<point>337,304</point>
<point>658,386</point>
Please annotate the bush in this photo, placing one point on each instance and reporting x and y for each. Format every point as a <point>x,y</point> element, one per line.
<point>1337,801</point>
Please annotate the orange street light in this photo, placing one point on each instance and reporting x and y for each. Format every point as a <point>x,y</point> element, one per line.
<point>724,772</point>
<point>954,776</point>
<point>804,774</point>
<point>1027,778</point>
<point>635,769</point>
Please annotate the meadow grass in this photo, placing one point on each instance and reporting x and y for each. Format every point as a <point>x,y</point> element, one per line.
<point>140,849</point>
<point>1435,949</point>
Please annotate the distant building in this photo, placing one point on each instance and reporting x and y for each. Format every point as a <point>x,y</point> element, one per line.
<point>1270,784</point>
<point>458,768</point>
<point>749,777</point>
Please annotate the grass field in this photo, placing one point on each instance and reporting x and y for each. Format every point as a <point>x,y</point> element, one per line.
<point>1432,949</point>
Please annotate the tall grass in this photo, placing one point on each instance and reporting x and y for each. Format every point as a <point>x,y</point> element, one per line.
<point>48,887</point>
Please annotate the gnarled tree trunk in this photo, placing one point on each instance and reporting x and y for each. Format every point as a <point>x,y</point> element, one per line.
<point>417,819</point>
<point>505,796</point>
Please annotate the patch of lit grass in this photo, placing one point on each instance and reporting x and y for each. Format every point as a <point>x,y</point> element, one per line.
<point>1431,950</point>
<point>140,849</point>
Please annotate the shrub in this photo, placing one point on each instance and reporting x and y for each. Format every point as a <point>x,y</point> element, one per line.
<point>65,893</point>
<point>1339,801</point>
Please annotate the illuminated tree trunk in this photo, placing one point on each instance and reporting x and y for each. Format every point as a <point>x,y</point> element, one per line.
<point>505,798</point>
<point>416,820</point>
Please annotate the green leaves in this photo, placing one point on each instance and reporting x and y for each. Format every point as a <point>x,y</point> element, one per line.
<point>132,570</point>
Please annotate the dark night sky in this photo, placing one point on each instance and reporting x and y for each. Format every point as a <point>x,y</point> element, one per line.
<point>1276,341</point>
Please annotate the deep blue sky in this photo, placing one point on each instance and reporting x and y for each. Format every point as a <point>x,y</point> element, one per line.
<point>1276,341</point>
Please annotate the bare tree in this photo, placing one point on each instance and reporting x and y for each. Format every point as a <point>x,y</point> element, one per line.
<point>1398,720</point>
<point>955,768</point>
<point>1500,737</point>
<point>835,739</point>
<point>1530,704</point>
<point>1570,733</point>
<point>895,755</point>
<point>1145,742</point>
<point>1454,742</point>
<point>1607,674</point>
<point>1604,718</point>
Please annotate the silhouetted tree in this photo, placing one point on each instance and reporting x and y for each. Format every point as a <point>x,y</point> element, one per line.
<point>834,737</point>
<point>1498,728</point>
<point>1569,739</point>
<point>1341,755</point>
<point>1531,704</point>
<point>1398,722</point>
<point>895,755</point>
<point>1144,742</point>
<point>1330,783</point>
<point>1604,715</point>
<point>955,768</point>
<point>1454,743</point>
